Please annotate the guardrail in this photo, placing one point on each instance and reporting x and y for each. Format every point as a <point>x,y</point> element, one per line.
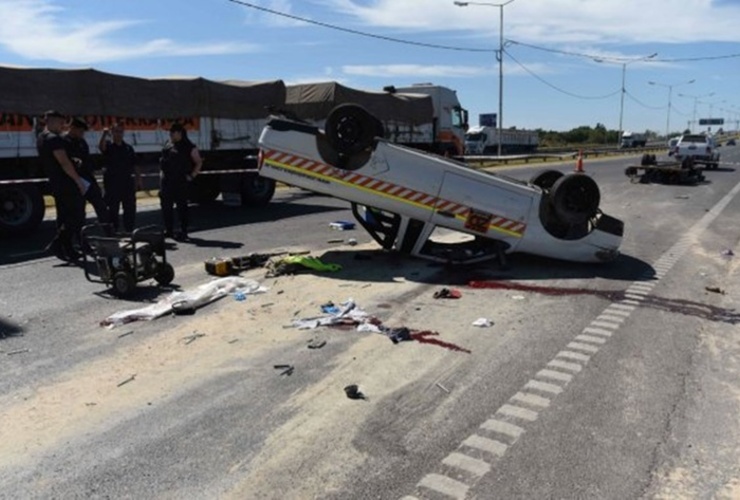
<point>560,155</point>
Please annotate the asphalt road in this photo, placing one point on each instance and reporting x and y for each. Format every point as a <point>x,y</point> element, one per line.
<point>572,393</point>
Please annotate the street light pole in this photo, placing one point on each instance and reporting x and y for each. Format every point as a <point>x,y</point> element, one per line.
<point>500,59</point>
<point>670,94</point>
<point>696,100</point>
<point>624,90</point>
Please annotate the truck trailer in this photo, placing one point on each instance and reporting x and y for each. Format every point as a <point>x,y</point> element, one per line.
<point>224,120</point>
<point>483,140</point>
<point>423,116</point>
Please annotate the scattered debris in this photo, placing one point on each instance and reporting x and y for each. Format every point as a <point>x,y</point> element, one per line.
<point>353,392</point>
<point>192,338</point>
<point>483,323</point>
<point>517,297</point>
<point>349,313</point>
<point>225,266</point>
<point>342,225</point>
<point>683,197</point>
<point>330,308</point>
<point>335,241</point>
<point>442,387</point>
<point>269,304</point>
<point>91,404</point>
<point>240,296</point>
<point>185,302</point>
<point>397,335</point>
<point>125,334</point>
<point>287,369</point>
<point>280,292</point>
<point>714,289</point>
<point>296,263</point>
<point>316,344</point>
<point>233,341</point>
<point>447,293</point>
<point>19,351</point>
<point>352,242</point>
<point>727,253</point>
<point>130,379</point>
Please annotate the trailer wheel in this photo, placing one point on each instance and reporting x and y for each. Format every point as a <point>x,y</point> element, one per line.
<point>21,208</point>
<point>257,191</point>
<point>350,129</point>
<point>575,199</point>
<point>546,179</point>
<point>123,284</point>
<point>165,274</point>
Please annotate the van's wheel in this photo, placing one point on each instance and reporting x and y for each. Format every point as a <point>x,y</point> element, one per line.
<point>165,274</point>
<point>350,128</point>
<point>575,199</point>
<point>546,179</point>
<point>123,284</point>
<point>257,191</point>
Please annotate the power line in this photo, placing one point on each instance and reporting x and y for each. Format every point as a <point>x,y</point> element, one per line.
<point>642,103</point>
<point>552,86</point>
<point>358,32</point>
<point>620,59</point>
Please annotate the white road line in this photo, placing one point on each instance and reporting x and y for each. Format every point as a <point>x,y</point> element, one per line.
<point>633,296</point>
<point>583,347</point>
<point>531,399</point>
<point>646,286</point>
<point>598,331</point>
<point>502,427</point>
<point>496,448</point>
<point>589,338</point>
<point>605,324</point>
<point>636,291</point>
<point>543,386</point>
<point>445,485</point>
<point>577,356</point>
<point>409,497</point>
<point>466,463</point>
<point>614,319</point>
<point>564,365</point>
<point>618,312</point>
<point>622,307</point>
<point>518,412</point>
<point>552,374</point>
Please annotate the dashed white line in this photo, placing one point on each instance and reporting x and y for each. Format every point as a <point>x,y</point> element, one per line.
<point>612,319</point>
<point>466,463</point>
<point>445,485</point>
<point>543,386</point>
<point>573,355</point>
<point>518,412</point>
<point>502,427</point>
<point>636,291</point>
<point>552,374</point>
<point>633,296</point>
<point>531,399</point>
<point>583,347</point>
<point>623,307</point>
<point>589,338</point>
<point>619,312</point>
<point>496,448</point>
<point>605,324</point>
<point>631,302</point>
<point>572,367</point>
<point>598,331</point>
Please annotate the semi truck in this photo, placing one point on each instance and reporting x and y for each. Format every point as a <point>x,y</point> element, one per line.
<point>483,140</point>
<point>223,119</point>
<point>423,116</point>
<point>633,140</point>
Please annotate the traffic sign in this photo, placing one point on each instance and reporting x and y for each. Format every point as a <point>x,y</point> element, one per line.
<point>711,121</point>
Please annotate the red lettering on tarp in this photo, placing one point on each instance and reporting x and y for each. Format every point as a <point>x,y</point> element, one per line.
<point>14,122</point>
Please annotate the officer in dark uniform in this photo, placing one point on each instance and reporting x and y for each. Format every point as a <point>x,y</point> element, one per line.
<point>180,163</point>
<point>121,177</point>
<point>79,151</point>
<point>67,187</point>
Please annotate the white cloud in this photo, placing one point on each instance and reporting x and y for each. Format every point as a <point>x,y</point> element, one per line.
<point>438,71</point>
<point>33,29</point>
<point>564,21</point>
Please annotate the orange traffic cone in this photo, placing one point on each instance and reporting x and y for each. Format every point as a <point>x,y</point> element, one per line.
<point>579,163</point>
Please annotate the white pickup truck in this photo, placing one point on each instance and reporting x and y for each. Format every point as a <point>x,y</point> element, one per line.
<point>400,195</point>
<point>697,148</point>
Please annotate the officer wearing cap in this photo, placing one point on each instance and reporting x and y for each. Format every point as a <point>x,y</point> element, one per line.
<point>180,163</point>
<point>67,186</point>
<point>79,151</point>
<point>121,177</point>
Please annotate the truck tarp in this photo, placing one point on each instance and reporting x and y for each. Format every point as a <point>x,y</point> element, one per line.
<point>314,101</point>
<point>91,92</point>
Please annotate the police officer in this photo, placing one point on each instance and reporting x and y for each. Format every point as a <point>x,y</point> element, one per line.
<point>121,177</point>
<point>67,187</point>
<point>181,163</point>
<point>79,151</point>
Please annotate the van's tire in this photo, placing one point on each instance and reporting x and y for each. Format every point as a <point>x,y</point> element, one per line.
<point>546,179</point>
<point>257,191</point>
<point>350,129</point>
<point>21,208</point>
<point>575,198</point>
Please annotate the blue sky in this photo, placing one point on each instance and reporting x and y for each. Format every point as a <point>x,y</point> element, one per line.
<point>219,39</point>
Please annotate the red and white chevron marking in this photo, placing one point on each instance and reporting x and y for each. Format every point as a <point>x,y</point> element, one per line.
<point>387,188</point>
